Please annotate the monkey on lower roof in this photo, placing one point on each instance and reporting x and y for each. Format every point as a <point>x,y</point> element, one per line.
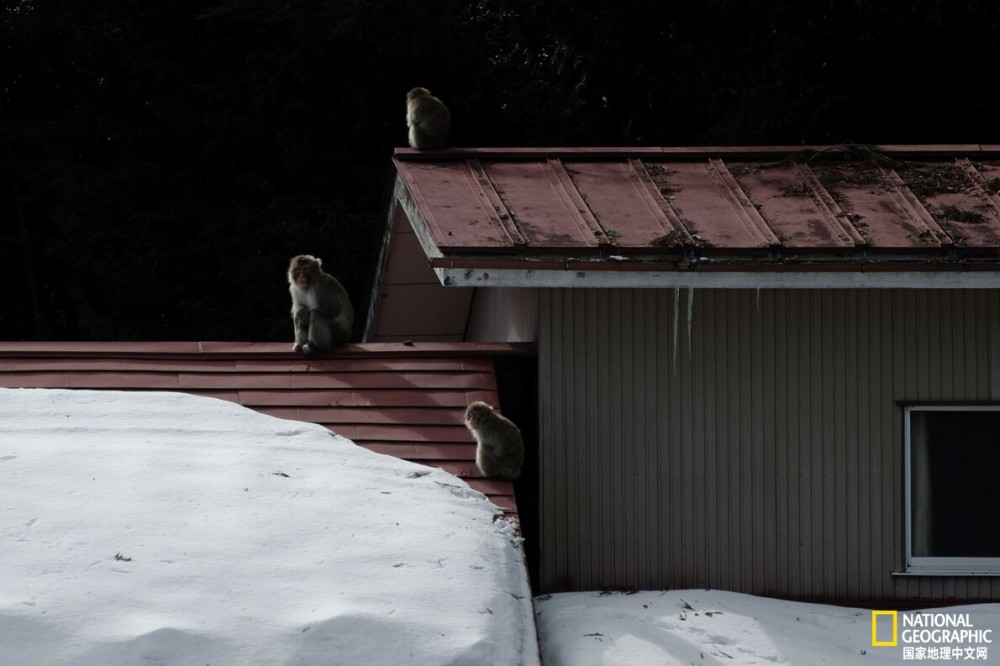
<point>322,313</point>
<point>499,447</point>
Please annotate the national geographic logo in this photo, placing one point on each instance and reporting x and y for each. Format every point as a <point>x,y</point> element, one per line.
<point>931,636</point>
<point>890,638</point>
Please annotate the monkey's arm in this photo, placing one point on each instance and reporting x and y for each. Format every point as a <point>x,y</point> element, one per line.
<point>300,315</point>
<point>328,298</point>
<point>300,324</point>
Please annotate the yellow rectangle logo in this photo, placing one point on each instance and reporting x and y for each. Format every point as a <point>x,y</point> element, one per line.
<point>884,643</point>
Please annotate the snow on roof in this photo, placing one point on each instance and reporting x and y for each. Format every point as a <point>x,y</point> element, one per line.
<point>159,527</point>
<point>572,217</point>
<point>398,399</point>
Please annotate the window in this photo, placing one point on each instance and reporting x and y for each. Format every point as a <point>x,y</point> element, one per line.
<point>952,458</point>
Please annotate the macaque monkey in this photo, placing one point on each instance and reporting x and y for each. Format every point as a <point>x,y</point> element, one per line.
<point>499,448</point>
<point>428,120</point>
<point>321,310</point>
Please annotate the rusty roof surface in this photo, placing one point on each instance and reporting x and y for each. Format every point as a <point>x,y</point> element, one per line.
<point>401,400</point>
<point>661,207</point>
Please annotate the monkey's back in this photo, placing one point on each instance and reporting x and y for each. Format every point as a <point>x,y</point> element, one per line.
<point>430,123</point>
<point>502,455</point>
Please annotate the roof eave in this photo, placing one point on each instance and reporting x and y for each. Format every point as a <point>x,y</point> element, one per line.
<point>574,272</point>
<point>462,260</point>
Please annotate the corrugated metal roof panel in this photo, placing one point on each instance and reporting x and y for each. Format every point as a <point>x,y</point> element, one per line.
<point>623,195</point>
<point>799,209</point>
<point>771,203</point>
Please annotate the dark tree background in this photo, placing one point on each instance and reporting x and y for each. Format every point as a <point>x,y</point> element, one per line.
<point>160,160</point>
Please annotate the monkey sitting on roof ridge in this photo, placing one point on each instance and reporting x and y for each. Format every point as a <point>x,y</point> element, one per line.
<point>428,119</point>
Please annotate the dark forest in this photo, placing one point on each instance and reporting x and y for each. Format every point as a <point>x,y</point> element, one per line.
<point>160,161</point>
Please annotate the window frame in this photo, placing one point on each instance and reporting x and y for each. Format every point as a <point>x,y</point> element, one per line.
<point>937,566</point>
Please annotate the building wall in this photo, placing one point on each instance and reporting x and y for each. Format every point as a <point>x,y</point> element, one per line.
<point>746,440</point>
<point>406,302</point>
<point>503,315</point>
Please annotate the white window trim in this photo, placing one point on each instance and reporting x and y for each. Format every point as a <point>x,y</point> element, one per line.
<point>939,566</point>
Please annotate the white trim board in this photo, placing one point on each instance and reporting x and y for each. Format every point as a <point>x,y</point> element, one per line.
<point>526,277</point>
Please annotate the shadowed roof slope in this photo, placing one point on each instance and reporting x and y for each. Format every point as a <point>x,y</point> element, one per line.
<point>402,400</point>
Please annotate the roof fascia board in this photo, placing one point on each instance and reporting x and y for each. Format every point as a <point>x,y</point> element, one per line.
<point>382,264</point>
<point>417,221</point>
<point>609,279</point>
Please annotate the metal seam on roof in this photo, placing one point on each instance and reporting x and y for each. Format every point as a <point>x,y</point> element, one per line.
<point>829,206</point>
<point>658,206</point>
<point>574,203</point>
<point>493,204</point>
<point>980,182</point>
<point>909,202</point>
<point>756,226</point>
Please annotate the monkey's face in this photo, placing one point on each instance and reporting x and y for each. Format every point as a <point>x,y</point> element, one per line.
<point>476,413</point>
<point>303,274</point>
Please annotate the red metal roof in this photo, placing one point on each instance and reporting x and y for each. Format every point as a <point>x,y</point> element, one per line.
<point>401,400</point>
<point>662,206</point>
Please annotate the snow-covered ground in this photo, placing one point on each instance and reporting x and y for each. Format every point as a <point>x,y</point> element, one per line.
<point>715,628</point>
<point>164,528</point>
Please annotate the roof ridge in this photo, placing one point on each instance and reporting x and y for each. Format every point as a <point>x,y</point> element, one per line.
<point>695,152</point>
<point>275,350</point>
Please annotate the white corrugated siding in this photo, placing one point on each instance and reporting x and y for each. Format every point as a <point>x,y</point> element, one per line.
<point>759,449</point>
